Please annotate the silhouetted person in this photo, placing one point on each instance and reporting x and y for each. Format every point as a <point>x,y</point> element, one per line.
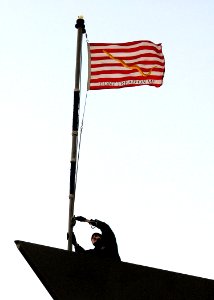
<point>105,244</point>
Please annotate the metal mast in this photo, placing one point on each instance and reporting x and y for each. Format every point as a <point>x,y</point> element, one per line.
<point>80,25</point>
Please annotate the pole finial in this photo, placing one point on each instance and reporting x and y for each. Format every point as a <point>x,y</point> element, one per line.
<point>80,24</point>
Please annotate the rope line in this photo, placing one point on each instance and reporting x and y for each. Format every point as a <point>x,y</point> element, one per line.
<point>80,139</point>
<point>81,127</point>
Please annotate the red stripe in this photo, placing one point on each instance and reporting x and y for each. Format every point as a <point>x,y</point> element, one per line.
<point>96,70</point>
<point>145,62</point>
<point>120,87</point>
<point>125,71</point>
<point>124,44</point>
<point>126,50</point>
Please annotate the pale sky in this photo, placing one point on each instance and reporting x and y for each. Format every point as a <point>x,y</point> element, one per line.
<point>146,162</point>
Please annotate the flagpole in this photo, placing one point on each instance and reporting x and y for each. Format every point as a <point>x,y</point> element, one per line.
<point>75,126</point>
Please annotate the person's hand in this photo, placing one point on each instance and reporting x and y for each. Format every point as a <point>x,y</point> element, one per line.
<point>74,241</point>
<point>81,219</point>
<point>73,221</point>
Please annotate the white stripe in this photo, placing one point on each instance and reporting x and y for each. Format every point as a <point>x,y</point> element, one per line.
<point>128,61</point>
<point>135,74</point>
<point>115,68</point>
<point>97,83</point>
<point>110,46</point>
<point>127,54</point>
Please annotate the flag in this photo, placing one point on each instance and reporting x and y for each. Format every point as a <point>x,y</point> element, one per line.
<point>118,65</point>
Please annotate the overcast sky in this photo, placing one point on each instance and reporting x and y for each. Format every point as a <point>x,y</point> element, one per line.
<point>146,162</point>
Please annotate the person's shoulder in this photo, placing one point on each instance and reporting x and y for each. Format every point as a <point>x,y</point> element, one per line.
<point>89,250</point>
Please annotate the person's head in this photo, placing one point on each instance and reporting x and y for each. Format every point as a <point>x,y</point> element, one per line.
<point>96,238</point>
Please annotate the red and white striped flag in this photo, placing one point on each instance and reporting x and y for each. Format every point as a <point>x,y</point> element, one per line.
<point>125,64</point>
